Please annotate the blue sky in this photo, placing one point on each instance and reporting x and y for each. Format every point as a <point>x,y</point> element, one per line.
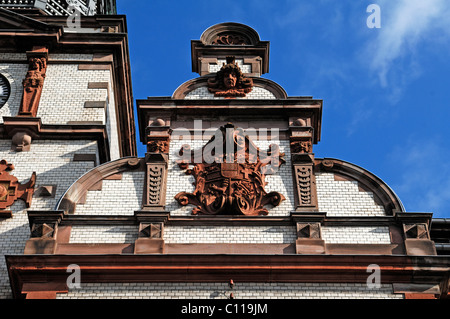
<point>386,90</point>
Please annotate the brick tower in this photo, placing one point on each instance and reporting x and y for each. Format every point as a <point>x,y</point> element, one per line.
<point>66,106</point>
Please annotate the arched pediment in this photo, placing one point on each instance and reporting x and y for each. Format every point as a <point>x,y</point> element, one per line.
<point>88,181</point>
<point>265,89</point>
<point>230,33</point>
<point>366,180</point>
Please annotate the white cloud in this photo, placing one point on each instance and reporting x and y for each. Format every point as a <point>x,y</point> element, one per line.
<point>406,25</point>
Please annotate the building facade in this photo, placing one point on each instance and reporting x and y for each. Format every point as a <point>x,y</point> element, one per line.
<point>229,200</point>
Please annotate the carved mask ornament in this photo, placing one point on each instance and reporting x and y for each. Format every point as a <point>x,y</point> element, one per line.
<point>231,182</point>
<point>230,82</point>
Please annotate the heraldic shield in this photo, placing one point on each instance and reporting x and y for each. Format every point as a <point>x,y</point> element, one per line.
<point>230,180</point>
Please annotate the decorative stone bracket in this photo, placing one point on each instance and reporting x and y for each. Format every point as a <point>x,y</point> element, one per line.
<point>309,233</point>
<point>43,227</point>
<point>34,81</point>
<point>156,179</point>
<point>415,229</point>
<point>22,131</point>
<point>301,137</point>
<point>301,141</point>
<point>151,232</point>
<point>158,142</point>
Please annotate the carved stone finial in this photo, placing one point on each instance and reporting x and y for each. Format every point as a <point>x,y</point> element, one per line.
<point>230,81</point>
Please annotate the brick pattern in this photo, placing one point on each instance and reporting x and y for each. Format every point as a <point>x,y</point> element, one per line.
<point>245,68</point>
<point>70,57</point>
<point>178,181</point>
<point>230,234</point>
<point>117,197</point>
<point>122,234</point>
<point>13,56</point>
<point>52,162</point>
<point>257,93</point>
<point>222,291</point>
<point>343,198</point>
<point>15,73</point>
<point>65,92</point>
<point>14,233</point>
<point>356,235</point>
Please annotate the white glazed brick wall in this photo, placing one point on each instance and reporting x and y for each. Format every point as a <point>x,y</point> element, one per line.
<point>178,181</point>
<point>356,235</point>
<point>227,234</point>
<point>52,162</point>
<point>222,291</point>
<point>70,57</point>
<point>117,197</point>
<point>245,68</point>
<point>14,233</point>
<point>15,73</point>
<point>343,198</point>
<point>65,92</point>
<point>122,234</point>
<point>257,93</point>
<point>13,56</point>
<point>111,123</point>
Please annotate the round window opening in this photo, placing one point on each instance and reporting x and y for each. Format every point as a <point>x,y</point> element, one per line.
<point>5,90</point>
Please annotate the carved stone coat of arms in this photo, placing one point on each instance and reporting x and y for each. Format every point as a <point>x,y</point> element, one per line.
<point>231,182</point>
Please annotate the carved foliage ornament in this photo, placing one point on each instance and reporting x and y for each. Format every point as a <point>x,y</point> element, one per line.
<point>231,39</point>
<point>230,82</point>
<point>301,146</point>
<point>11,190</point>
<point>158,146</point>
<point>233,184</point>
